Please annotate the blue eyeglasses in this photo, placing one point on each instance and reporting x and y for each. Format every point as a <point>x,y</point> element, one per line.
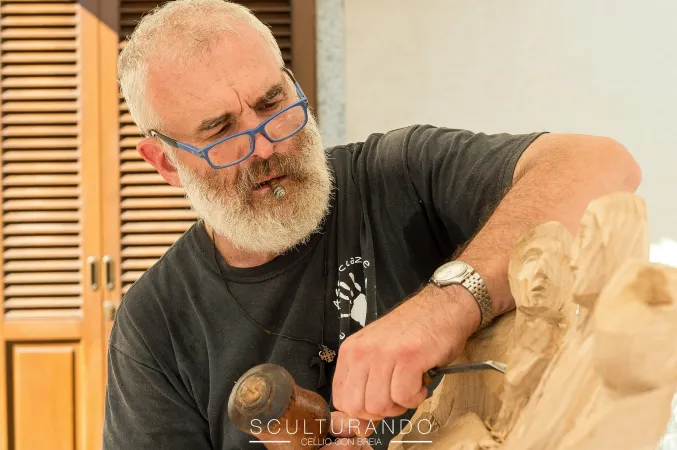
<point>227,152</point>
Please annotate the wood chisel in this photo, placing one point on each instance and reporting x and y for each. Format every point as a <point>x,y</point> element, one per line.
<point>433,373</point>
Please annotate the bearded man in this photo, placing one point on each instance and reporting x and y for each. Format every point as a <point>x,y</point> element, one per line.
<point>356,268</point>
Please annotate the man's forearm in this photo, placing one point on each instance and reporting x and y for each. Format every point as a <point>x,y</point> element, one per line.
<point>556,178</point>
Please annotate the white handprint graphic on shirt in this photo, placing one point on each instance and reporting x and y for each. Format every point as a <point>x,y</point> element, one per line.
<point>354,294</point>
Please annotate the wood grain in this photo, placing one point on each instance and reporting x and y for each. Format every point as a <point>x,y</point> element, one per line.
<point>634,320</point>
<point>44,401</point>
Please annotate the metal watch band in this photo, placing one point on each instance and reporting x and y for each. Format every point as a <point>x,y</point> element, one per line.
<point>475,284</point>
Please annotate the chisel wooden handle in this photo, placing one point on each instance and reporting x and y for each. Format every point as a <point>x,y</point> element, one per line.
<point>273,409</point>
<point>429,377</point>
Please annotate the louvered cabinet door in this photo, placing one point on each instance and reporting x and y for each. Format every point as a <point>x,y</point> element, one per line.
<point>143,215</point>
<point>51,327</point>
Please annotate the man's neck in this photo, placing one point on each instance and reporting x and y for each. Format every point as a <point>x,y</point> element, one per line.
<point>236,257</point>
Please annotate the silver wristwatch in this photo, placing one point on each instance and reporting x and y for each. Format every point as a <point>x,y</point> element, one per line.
<point>458,272</point>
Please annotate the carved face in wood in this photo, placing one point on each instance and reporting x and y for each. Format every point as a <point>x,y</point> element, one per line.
<point>540,274</point>
<point>636,328</point>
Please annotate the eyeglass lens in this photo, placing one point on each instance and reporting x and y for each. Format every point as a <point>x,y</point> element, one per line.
<point>279,128</point>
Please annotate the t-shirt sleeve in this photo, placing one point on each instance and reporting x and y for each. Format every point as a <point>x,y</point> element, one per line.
<point>457,176</point>
<point>143,408</point>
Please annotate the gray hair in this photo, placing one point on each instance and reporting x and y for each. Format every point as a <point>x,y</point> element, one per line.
<point>198,20</point>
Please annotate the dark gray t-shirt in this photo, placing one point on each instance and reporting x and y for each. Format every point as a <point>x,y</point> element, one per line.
<point>403,203</point>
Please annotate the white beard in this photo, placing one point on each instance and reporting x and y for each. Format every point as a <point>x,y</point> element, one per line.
<point>262,223</point>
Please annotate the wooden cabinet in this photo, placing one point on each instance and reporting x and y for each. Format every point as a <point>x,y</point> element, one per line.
<point>83,216</point>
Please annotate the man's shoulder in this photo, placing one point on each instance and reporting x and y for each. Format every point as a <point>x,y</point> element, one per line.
<point>352,157</point>
<point>399,148</point>
<point>417,134</point>
<point>379,157</point>
<point>395,136</point>
<point>390,151</point>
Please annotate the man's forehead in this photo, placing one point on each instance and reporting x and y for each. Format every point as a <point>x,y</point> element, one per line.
<point>220,80</point>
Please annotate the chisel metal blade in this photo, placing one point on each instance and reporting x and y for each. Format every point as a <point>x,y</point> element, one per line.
<point>461,368</point>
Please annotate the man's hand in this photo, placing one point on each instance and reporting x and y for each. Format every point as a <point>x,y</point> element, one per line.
<point>379,371</point>
<point>352,433</point>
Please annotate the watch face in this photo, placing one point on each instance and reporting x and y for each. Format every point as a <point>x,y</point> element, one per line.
<point>450,271</point>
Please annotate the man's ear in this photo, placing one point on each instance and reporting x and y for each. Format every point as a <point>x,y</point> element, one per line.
<point>151,150</point>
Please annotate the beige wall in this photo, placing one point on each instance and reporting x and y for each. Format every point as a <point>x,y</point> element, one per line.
<point>606,67</point>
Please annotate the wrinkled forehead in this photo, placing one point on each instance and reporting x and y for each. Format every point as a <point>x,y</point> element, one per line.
<point>227,74</point>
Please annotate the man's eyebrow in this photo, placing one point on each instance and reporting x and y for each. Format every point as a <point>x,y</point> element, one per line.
<point>210,124</point>
<point>270,95</point>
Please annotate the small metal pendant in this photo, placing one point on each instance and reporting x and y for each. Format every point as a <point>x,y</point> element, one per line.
<point>327,354</point>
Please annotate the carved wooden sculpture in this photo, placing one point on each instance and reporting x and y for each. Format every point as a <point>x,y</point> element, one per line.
<point>633,354</point>
<point>541,282</point>
<point>613,229</point>
<point>467,432</point>
<point>571,387</point>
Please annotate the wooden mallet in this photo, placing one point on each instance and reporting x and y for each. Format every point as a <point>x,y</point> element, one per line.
<point>267,404</point>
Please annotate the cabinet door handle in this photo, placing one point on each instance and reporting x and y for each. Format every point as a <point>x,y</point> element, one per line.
<point>93,273</point>
<point>108,264</point>
<point>109,310</point>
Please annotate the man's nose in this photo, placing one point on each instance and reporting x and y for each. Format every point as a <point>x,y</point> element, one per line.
<point>263,148</point>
